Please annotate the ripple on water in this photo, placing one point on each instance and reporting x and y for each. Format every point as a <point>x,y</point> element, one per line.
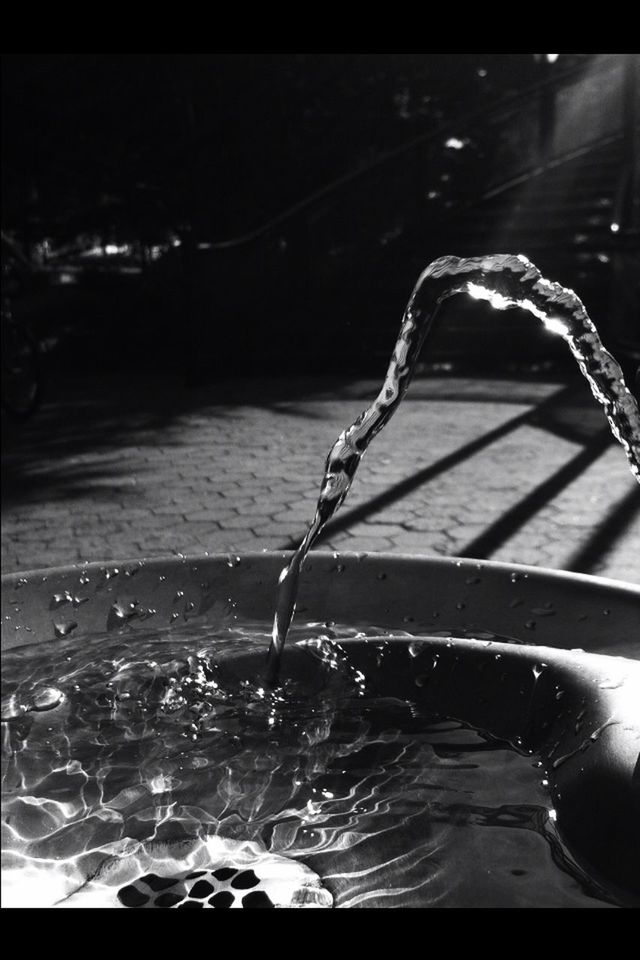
<point>164,740</point>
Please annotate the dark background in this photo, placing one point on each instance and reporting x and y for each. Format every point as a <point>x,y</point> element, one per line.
<point>255,132</point>
<point>188,210</point>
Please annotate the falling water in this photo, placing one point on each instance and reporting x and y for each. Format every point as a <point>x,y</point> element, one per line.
<point>505,281</point>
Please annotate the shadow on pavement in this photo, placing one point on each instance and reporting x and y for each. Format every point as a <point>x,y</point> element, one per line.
<point>621,515</point>
<point>82,418</point>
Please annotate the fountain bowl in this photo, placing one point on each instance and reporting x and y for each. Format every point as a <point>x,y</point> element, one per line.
<point>492,626</point>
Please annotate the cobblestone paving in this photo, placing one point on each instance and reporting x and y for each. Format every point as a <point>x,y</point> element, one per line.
<point>123,470</point>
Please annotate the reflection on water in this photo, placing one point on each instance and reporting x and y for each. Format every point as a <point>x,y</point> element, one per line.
<point>155,756</point>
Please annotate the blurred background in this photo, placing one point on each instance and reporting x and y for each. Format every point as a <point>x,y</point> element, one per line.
<point>205,262</point>
<point>270,213</point>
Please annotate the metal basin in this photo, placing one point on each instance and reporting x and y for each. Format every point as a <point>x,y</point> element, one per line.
<point>498,624</point>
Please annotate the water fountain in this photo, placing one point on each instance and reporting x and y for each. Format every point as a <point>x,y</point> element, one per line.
<point>504,281</point>
<point>427,717</point>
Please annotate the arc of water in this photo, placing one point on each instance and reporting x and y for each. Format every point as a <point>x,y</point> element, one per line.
<point>504,280</point>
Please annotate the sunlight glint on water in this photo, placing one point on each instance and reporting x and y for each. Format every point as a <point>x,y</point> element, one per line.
<point>159,738</point>
<point>504,281</point>
<point>116,741</point>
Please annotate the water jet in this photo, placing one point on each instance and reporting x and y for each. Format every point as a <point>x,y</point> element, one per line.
<point>436,732</point>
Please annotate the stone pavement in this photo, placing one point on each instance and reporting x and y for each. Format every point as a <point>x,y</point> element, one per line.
<point>140,467</point>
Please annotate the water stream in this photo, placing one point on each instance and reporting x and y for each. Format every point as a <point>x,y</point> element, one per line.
<point>503,280</point>
<point>148,758</point>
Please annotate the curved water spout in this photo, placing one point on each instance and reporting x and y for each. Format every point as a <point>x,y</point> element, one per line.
<point>504,280</point>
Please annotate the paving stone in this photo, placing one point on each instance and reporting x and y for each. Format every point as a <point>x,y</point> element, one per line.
<point>29,534</point>
<point>428,524</point>
<point>408,542</point>
<point>246,477</point>
<point>302,515</point>
<point>360,544</point>
<point>204,515</point>
<point>234,523</point>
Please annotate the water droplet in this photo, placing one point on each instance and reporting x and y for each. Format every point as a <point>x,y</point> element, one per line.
<point>178,595</point>
<point>84,579</point>
<point>610,684</point>
<point>606,612</point>
<point>64,629</point>
<point>59,598</point>
<point>234,561</point>
<point>579,721</point>
<point>174,616</point>
<point>125,609</point>
<point>596,733</point>
<point>47,698</point>
<point>460,605</point>
<point>22,582</point>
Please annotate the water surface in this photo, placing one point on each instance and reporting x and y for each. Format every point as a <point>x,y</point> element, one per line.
<point>161,736</point>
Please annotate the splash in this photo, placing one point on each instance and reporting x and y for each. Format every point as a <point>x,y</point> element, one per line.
<point>170,778</point>
<point>504,280</point>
